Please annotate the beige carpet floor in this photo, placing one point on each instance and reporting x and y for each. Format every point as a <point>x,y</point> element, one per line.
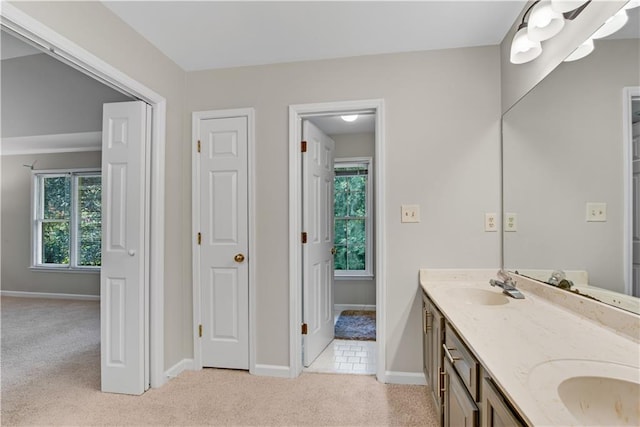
<point>50,376</point>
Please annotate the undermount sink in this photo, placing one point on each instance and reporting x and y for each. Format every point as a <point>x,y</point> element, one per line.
<point>595,393</point>
<point>478,296</point>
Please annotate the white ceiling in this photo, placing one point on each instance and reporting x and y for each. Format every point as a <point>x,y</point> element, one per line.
<point>200,35</point>
<point>334,125</point>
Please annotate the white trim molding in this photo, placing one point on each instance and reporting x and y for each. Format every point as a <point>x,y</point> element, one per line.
<point>58,143</point>
<point>407,378</point>
<point>49,295</point>
<point>178,368</point>
<point>197,116</point>
<point>296,114</point>
<point>271,371</point>
<point>71,53</point>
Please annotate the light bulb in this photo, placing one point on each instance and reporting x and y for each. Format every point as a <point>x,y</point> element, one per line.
<point>522,48</point>
<point>544,22</point>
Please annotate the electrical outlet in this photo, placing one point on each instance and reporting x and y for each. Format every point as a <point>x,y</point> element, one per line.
<point>596,212</point>
<point>510,222</point>
<point>410,213</point>
<point>490,222</point>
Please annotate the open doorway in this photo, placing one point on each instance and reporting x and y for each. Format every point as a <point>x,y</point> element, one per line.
<point>352,310</point>
<point>147,309</point>
<point>354,224</point>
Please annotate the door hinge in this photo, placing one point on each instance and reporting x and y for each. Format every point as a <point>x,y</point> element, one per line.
<point>303,146</point>
<point>304,237</point>
<point>200,331</point>
<point>198,146</point>
<point>304,329</point>
<point>199,238</point>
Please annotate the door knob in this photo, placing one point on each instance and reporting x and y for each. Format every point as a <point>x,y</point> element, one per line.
<point>238,258</point>
<point>333,251</point>
<point>131,252</point>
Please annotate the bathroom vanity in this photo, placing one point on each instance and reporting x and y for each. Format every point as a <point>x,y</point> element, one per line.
<point>551,358</point>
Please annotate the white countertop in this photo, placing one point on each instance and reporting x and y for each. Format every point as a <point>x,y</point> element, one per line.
<point>512,339</point>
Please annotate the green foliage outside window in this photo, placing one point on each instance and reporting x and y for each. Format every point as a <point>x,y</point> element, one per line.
<point>55,219</point>
<point>350,215</point>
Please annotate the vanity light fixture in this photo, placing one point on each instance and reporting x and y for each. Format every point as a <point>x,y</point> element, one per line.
<point>546,19</point>
<point>349,117</point>
<point>544,22</point>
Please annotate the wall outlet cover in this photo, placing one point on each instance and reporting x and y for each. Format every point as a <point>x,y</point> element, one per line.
<point>510,222</point>
<point>596,212</point>
<point>490,221</point>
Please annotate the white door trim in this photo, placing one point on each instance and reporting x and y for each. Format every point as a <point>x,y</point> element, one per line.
<point>73,54</point>
<point>296,114</point>
<point>628,94</point>
<point>197,116</point>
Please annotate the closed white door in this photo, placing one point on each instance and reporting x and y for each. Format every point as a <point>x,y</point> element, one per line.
<point>317,253</point>
<point>224,271</point>
<point>124,337</point>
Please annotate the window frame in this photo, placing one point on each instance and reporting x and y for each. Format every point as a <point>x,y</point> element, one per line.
<point>37,214</point>
<point>367,273</point>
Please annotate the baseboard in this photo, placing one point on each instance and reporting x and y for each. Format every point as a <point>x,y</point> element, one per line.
<point>342,307</point>
<point>407,378</point>
<point>272,371</point>
<point>22,294</point>
<point>180,367</point>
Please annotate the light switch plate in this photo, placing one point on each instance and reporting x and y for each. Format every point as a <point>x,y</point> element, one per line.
<point>490,222</point>
<point>410,213</point>
<point>596,212</point>
<point>510,222</point>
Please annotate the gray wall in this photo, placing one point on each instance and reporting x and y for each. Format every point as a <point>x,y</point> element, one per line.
<point>43,96</point>
<point>352,291</point>
<point>437,156</point>
<point>563,147</point>
<point>16,227</point>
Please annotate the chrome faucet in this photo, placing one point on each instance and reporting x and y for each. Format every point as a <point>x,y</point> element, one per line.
<point>507,284</point>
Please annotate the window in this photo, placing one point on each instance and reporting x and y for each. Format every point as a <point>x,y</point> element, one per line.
<point>67,220</point>
<point>352,218</point>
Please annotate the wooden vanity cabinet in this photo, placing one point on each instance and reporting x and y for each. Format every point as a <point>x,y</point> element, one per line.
<point>462,390</point>
<point>495,409</point>
<point>459,408</point>
<point>432,339</point>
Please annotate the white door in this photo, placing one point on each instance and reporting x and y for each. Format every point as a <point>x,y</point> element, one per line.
<point>636,209</point>
<point>224,271</point>
<point>317,253</point>
<point>124,337</point>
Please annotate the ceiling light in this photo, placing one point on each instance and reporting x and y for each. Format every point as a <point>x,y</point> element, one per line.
<point>350,117</point>
<point>581,51</point>
<point>612,25</point>
<point>562,6</point>
<point>524,49</point>
<point>544,22</point>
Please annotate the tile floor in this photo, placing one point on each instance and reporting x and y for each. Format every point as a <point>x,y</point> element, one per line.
<point>346,357</point>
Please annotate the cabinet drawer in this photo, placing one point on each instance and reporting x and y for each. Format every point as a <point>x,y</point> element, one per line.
<point>462,360</point>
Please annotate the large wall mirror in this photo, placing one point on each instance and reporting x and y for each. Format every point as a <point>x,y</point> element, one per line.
<point>568,168</point>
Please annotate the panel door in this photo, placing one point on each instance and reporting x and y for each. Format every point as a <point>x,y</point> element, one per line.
<point>317,253</point>
<point>124,336</point>
<point>224,271</point>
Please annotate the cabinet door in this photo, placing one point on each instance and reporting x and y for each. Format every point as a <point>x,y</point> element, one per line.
<point>495,412</point>
<point>427,339</point>
<point>459,408</point>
